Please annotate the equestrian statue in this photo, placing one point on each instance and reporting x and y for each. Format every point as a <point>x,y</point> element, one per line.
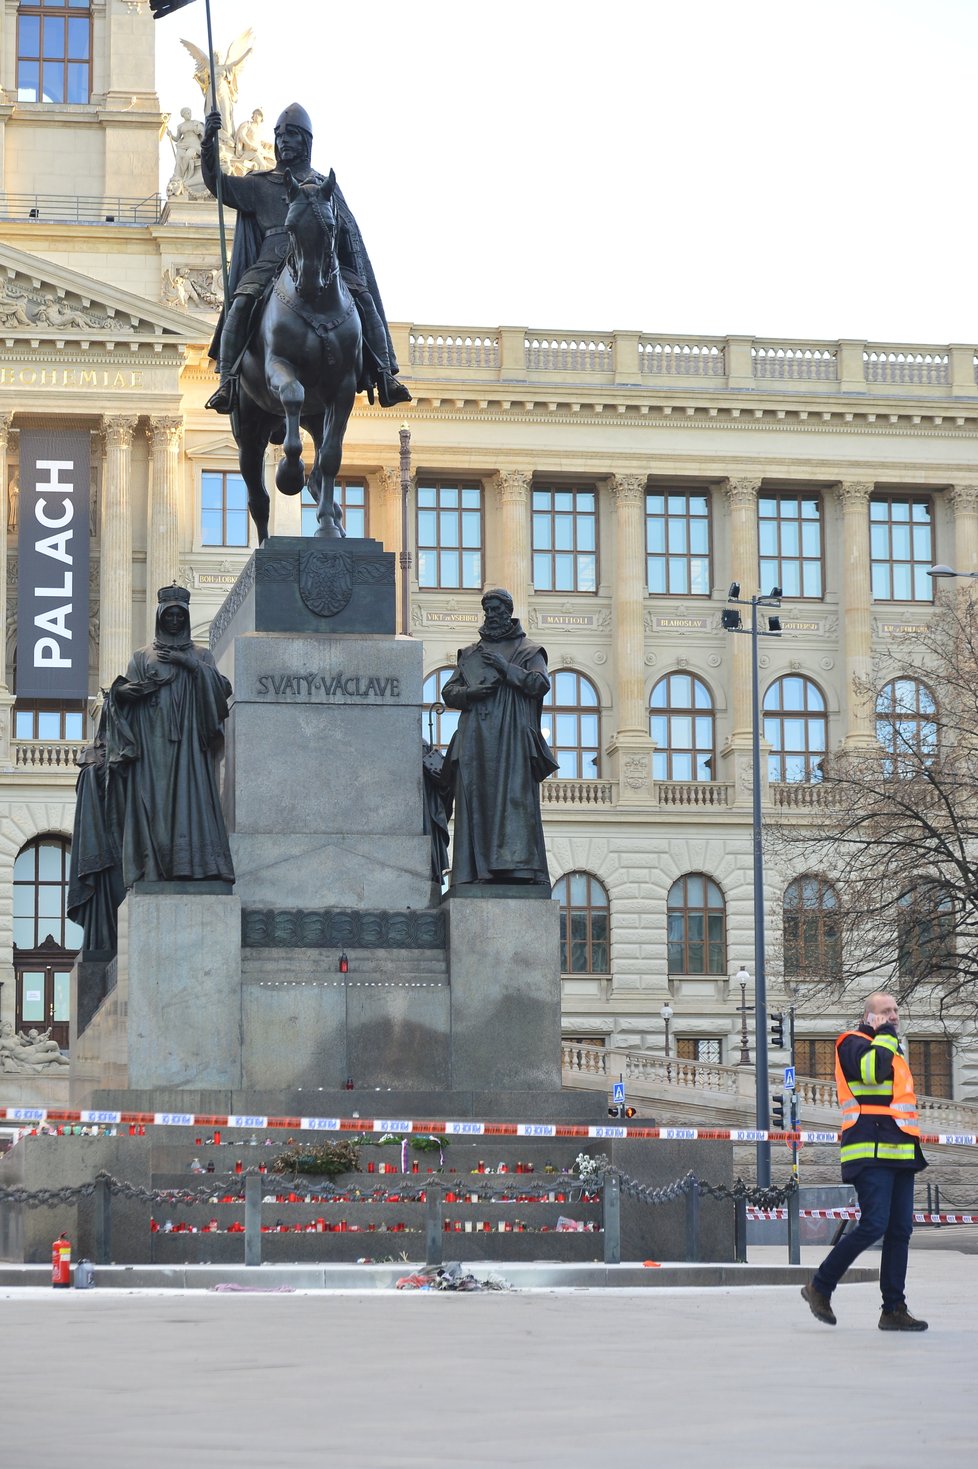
<point>305,330</point>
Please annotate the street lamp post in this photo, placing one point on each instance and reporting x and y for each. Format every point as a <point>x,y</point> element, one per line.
<point>948,571</point>
<point>666,1013</point>
<point>731,622</point>
<point>743,979</point>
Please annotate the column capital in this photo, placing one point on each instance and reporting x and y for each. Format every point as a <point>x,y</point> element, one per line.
<point>741,491</point>
<point>628,489</point>
<point>964,499</point>
<point>388,479</point>
<point>513,486</point>
<point>854,493</point>
<point>118,430</point>
<point>5,421</point>
<point>164,431</point>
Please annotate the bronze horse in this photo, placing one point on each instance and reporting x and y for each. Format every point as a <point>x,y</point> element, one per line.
<point>303,361</point>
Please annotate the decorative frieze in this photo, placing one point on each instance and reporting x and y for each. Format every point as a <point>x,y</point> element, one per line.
<point>342,928</point>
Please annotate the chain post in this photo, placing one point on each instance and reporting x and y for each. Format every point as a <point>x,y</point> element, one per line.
<point>740,1229</point>
<point>103,1222</point>
<point>433,1225</point>
<point>252,1219</point>
<point>611,1221</point>
<point>693,1219</point>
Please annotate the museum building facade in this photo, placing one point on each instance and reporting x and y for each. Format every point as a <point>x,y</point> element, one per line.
<point>616,482</point>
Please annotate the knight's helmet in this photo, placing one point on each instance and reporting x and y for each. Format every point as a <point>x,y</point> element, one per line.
<point>295,115</point>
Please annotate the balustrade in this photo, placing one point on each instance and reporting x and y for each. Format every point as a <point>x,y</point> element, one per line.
<point>577,792</point>
<point>38,754</point>
<point>703,793</point>
<point>795,364</point>
<point>906,368</point>
<point>682,359</point>
<point>568,355</point>
<point>454,351</point>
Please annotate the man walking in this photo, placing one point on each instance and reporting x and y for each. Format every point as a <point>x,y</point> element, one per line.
<point>880,1156</point>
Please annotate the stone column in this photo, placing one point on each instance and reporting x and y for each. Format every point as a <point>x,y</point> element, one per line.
<point>115,579</point>
<point>6,698</point>
<point>630,747</point>
<point>513,559</point>
<point>163,519</point>
<point>856,603</point>
<point>741,494</point>
<point>385,521</point>
<point>964,503</point>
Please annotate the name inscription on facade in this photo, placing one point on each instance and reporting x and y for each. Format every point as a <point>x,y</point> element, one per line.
<point>566,619</point>
<point>318,686</point>
<point>680,624</point>
<point>909,628</point>
<point>69,377</point>
<point>451,617</point>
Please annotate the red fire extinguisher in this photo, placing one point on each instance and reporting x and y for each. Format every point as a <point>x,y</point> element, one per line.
<point>61,1261</point>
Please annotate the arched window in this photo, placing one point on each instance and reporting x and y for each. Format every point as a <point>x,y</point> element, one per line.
<point>812,942</point>
<point>442,726</point>
<point>696,926</point>
<point>681,724</point>
<point>925,932</point>
<point>906,725</point>
<point>45,940</point>
<point>585,924</point>
<point>570,721</point>
<point>796,728</point>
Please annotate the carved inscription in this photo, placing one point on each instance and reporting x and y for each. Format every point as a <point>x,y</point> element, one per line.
<point>329,685</point>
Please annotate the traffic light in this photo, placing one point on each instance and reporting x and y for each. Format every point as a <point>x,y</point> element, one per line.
<point>777,1112</point>
<point>618,1109</point>
<point>629,1111</point>
<point>777,1030</point>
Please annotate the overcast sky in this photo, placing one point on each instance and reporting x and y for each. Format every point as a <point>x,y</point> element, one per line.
<point>789,168</point>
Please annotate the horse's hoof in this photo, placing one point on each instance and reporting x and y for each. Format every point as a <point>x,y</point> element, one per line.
<point>290,477</point>
<point>329,531</point>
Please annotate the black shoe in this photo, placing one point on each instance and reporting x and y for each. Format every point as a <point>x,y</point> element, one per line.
<point>391,392</point>
<point>223,400</point>
<point>900,1319</point>
<point>820,1306</point>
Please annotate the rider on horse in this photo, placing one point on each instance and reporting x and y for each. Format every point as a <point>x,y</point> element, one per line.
<point>260,244</point>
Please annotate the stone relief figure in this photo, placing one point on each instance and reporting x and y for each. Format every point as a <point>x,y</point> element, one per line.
<point>22,1054</point>
<point>13,308</point>
<point>226,73</point>
<point>165,730</point>
<point>498,755</point>
<point>191,287</point>
<point>59,314</point>
<point>186,179</point>
<point>252,151</point>
<point>13,504</point>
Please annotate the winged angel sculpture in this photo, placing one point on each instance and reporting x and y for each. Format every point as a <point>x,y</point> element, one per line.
<point>226,73</point>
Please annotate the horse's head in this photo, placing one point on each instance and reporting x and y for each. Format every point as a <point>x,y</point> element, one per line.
<point>311,223</point>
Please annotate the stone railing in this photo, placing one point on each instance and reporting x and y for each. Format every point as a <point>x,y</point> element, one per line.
<point>702,1085</point>
<point>696,793</point>
<point>43,755</point>
<point>555,792</point>
<point>510,355</point>
<point>800,795</point>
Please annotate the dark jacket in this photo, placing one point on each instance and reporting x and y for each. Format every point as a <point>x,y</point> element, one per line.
<point>873,1128</point>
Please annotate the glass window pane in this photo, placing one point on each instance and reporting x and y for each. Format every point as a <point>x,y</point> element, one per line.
<point>564,573</point>
<point>563,533</point>
<point>694,957</point>
<point>237,493</point>
<point>682,767</point>
<point>29,35</point>
<point>78,81</point>
<point>902,584</point>
<point>24,933</point>
<point>542,540</point>
<point>900,542</point>
<point>695,893</point>
<point>449,564</point>
<point>54,37</point>
<point>62,994</point>
<point>578,889</point>
<point>585,533</point>
<point>448,497</point>
<point>427,568</point>
<point>471,528</point>
<point>657,577</point>
<point>23,900</point>
<point>448,528</point>
<point>50,866</point>
<point>655,535</point>
<point>541,573</point>
<point>32,997</point>
<point>48,725</point>
<point>211,528</point>
<point>472,569</point>
<point>53,82</point>
<point>881,584</point>
<point>426,497</point>
<point>74,725</point>
<point>427,528</point>
<point>237,528</point>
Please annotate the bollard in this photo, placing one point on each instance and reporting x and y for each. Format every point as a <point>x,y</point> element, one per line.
<point>740,1230</point>
<point>611,1219</point>
<point>253,1218</point>
<point>432,1225</point>
<point>693,1219</point>
<point>103,1222</point>
<point>794,1228</point>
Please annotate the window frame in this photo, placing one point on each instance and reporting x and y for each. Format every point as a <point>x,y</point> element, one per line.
<point>342,486</point>
<point>825,966</point>
<point>36,707</point>
<point>909,759</point>
<point>920,907</point>
<point>548,487</point>
<point>666,494</point>
<point>686,909</point>
<point>577,711</point>
<point>779,497</point>
<point>568,909</point>
<point>919,1056</point>
<point>449,717</point>
<point>671,711</point>
<point>438,483</point>
<point>48,840</point>
<point>64,10</point>
<point>812,755</point>
<point>224,545</point>
<point>903,498</point>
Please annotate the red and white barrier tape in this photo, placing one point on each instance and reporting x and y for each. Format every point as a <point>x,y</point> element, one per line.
<point>853,1213</point>
<point>32,1116</point>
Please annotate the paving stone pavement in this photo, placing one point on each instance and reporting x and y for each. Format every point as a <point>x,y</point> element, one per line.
<point>607,1380</point>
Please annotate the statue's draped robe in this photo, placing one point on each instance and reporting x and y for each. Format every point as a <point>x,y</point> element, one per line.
<point>494,765</point>
<point>95,888</point>
<point>171,720</point>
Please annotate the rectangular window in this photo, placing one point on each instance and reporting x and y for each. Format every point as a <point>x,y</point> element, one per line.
<point>901,548</point>
<point>54,51</point>
<point>565,544</point>
<point>789,529</point>
<point>450,535</point>
<point>699,1048</point>
<point>55,723</point>
<point>351,496</point>
<point>223,509</point>
<point>815,1057</point>
<point>677,544</point>
<point>930,1063</point>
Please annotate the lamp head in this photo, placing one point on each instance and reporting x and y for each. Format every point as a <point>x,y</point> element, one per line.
<point>730,619</point>
<point>941,570</point>
<point>734,591</point>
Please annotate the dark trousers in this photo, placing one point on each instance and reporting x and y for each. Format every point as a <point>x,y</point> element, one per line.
<point>886,1212</point>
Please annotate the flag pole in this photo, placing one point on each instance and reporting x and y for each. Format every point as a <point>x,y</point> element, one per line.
<point>217,169</point>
